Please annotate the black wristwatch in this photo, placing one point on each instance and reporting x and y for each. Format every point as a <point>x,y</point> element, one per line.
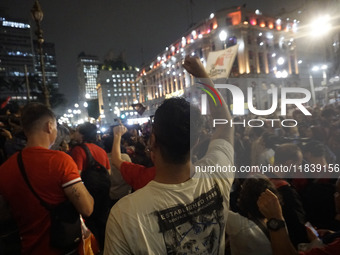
<point>275,224</point>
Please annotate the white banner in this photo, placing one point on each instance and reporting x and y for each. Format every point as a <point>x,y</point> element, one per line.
<point>219,63</point>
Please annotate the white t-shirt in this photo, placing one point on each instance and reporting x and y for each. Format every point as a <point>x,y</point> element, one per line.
<point>185,218</point>
<point>246,238</point>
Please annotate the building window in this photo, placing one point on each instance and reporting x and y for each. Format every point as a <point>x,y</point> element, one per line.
<point>228,21</point>
<point>251,55</point>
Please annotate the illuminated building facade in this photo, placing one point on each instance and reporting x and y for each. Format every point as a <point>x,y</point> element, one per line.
<point>117,91</point>
<point>15,54</point>
<point>266,54</point>
<point>50,61</point>
<point>87,66</point>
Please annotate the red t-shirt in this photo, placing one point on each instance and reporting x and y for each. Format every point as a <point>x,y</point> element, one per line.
<point>49,172</point>
<point>79,156</point>
<point>137,176</point>
<point>330,249</point>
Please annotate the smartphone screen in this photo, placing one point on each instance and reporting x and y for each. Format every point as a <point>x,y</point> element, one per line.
<point>308,225</point>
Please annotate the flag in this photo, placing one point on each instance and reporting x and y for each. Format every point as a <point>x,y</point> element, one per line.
<point>219,63</point>
<point>4,103</point>
<point>139,108</point>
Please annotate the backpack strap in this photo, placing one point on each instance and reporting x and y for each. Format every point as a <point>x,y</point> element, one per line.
<point>24,175</point>
<point>89,158</point>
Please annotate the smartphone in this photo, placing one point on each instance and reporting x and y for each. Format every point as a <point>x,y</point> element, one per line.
<point>308,225</point>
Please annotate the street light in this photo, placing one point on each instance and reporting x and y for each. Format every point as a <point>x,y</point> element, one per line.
<point>38,15</point>
<point>223,36</point>
<point>320,26</point>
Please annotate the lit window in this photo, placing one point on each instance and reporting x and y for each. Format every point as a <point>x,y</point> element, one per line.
<point>108,95</point>
<point>113,76</point>
<point>116,103</point>
<point>107,80</point>
<point>115,90</point>
<point>123,75</point>
<point>115,95</point>
<point>114,80</point>
<point>118,76</point>
<point>115,85</point>
<point>124,94</point>
<point>120,94</point>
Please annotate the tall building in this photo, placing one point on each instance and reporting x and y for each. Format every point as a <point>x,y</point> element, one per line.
<point>88,67</point>
<point>50,62</point>
<point>15,54</point>
<point>117,91</point>
<point>266,54</point>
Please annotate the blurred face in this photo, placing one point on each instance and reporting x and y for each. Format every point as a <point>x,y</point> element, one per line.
<point>77,136</point>
<point>337,197</point>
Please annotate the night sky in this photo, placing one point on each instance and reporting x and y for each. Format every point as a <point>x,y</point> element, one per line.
<point>97,27</point>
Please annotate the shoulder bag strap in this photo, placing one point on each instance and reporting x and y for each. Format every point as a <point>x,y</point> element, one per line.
<point>24,175</point>
<point>89,157</point>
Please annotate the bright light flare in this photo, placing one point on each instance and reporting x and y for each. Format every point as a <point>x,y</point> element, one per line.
<point>320,26</point>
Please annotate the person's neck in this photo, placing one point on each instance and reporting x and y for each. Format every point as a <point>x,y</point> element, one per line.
<point>38,141</point>
<point>172,173</point>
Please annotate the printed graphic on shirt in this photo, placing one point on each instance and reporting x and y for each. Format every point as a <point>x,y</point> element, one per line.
<point>194,228</point>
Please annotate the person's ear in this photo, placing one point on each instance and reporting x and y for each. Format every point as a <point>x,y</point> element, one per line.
<point>152,141</point>
<point>49,126</point>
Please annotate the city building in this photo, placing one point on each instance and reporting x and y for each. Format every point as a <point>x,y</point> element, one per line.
<point>266,58</point>
<point>50,62</point>
<point>117,92</point>
<point>15,56</point>
<point>87,66</point>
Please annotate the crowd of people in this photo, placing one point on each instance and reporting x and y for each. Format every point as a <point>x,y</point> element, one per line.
<point>156,202</point>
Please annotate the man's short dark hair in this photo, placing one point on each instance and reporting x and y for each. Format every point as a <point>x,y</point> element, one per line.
<point>176,128</point>
<point>285,152</point>
<point>32,113</point>
<point>89,132</point>
<point>251,190</point>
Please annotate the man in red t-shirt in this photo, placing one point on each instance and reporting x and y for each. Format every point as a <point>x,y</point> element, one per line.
<point>137,176</point>
<point>87,134</point>
<point>53,175</point>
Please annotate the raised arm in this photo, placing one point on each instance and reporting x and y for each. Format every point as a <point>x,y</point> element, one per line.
<point>116,158</point>
<point>194,66</point>
<point>269,206</point>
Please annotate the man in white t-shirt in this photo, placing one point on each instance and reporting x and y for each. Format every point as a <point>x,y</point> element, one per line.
<point>184,209</point>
